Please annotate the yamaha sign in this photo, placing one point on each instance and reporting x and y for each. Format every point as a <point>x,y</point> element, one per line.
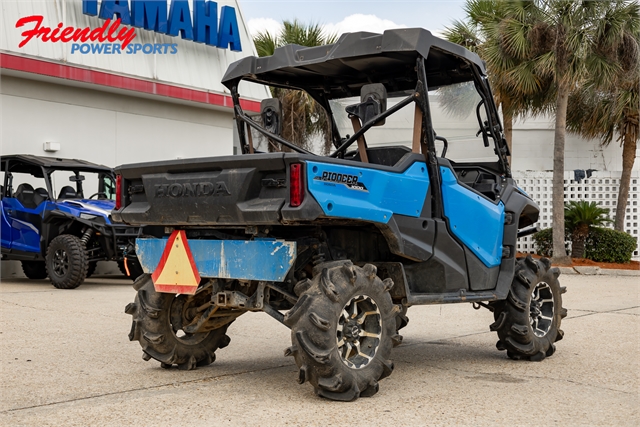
<point>174,18</point>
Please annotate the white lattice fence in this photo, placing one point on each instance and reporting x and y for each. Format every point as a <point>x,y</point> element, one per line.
<point>601,187</point>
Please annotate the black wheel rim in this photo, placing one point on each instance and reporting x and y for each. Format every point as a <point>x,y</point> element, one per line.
<point>60,262</point>
<point>359,331</point>
<point>541,309</point>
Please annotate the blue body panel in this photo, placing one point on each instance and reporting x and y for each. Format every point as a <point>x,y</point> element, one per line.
<point>5,228</point>
<point>76,207</point>
<point>268,260</point>
<point>23,225</point>
<point>477,222</point>
<point>21,229</point>
<point>368,194</point>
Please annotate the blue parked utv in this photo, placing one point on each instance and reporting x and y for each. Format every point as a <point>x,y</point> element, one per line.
<point>62,237</point>
<point>416,205</point>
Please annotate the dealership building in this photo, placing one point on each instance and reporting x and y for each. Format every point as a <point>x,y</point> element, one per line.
<point>135,105</point>
<point>160,97</point>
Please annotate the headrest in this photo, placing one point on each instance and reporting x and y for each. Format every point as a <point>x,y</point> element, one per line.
<point>67,192</point>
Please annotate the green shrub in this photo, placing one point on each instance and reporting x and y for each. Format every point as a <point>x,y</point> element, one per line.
<point>544,241</point>
<point>607,245</point>
<point>602,245</point>
<point>581,216</point>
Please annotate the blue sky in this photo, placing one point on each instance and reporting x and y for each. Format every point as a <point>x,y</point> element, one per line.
<point>352,15</point>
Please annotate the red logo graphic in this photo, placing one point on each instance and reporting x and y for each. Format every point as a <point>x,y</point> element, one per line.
<point>107,32</point>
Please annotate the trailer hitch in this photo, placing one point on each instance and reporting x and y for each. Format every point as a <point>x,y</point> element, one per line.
<point>257,302</point>
<point>234,299</point>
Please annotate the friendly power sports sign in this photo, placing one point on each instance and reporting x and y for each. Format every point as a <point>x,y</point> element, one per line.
<point>204,24</point>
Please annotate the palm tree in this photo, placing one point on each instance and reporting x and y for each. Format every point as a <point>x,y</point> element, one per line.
<point>580,216</point>
<point>302,117</point>
<point>498,32</point>
<point>570,40</point>
<point>603,109</point>
<point>558,41</point>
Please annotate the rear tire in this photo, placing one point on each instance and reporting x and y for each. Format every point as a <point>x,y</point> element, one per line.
<point>159,332</point>
<point>34,270</point>
<point>342,329</point>
<point>528,321</point>
<point>66,262</point>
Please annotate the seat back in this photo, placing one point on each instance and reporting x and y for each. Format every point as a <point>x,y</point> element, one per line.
<point>41,195</point>
<point>26,196</point>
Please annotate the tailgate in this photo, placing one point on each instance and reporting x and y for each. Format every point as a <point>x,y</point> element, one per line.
<point>210,191</point>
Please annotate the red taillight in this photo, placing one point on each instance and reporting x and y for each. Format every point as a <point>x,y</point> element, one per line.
<point>296,185</point>
<point>118,191</point>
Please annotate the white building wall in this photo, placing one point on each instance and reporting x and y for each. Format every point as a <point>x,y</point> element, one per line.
<point>601,187</point>
<point>533,149</point>
<point>106,128</point>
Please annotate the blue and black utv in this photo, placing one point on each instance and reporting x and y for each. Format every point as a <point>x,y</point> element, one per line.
<point>56,219</point>
<point>416,205</point>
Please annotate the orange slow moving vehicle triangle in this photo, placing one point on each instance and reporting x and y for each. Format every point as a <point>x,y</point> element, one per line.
<point>176,272</point>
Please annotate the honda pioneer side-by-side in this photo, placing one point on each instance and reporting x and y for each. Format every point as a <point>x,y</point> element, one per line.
<point>416,205</point>
<point>56,219</point>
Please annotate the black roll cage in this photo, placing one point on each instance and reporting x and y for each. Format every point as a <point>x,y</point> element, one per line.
<point>46,172</point>
<point>420,96</point>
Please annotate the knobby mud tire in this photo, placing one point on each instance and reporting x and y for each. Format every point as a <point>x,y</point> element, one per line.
<point>513,316</point>
<point>314,322</point>
<point>34,270</point>
<point>401,318</point>
<point>153,329</point>
<point>66,262</point>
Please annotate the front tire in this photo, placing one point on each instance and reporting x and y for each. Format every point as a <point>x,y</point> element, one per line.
<point>342,329</point>
<point>401,318</point>
<point>34,270</point>
<point>528,321</point>
<point>66,262</point>
<point>157,326</point>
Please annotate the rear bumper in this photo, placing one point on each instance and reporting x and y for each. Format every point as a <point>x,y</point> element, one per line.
<point>266,260</point>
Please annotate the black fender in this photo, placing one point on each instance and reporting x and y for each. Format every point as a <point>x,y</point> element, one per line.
<point>56,222</point>
<point>520,211</point>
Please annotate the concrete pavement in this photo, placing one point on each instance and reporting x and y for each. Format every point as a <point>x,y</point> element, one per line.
<point>66,361</point>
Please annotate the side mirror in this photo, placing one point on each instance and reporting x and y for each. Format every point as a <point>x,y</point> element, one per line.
<point>373,102</point>
<point>271,113</point>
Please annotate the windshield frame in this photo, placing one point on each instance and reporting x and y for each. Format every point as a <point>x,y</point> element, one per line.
<point>101,173</point>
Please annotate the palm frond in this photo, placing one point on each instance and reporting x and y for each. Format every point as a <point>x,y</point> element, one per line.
<point>265,43</point>
<point>514,38</point>
<point>585,213</point>
<point>464,34</point>
<point>303,120</point>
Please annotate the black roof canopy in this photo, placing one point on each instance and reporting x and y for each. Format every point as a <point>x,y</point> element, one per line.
<point>30,161</point>
<point>340,69</point>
